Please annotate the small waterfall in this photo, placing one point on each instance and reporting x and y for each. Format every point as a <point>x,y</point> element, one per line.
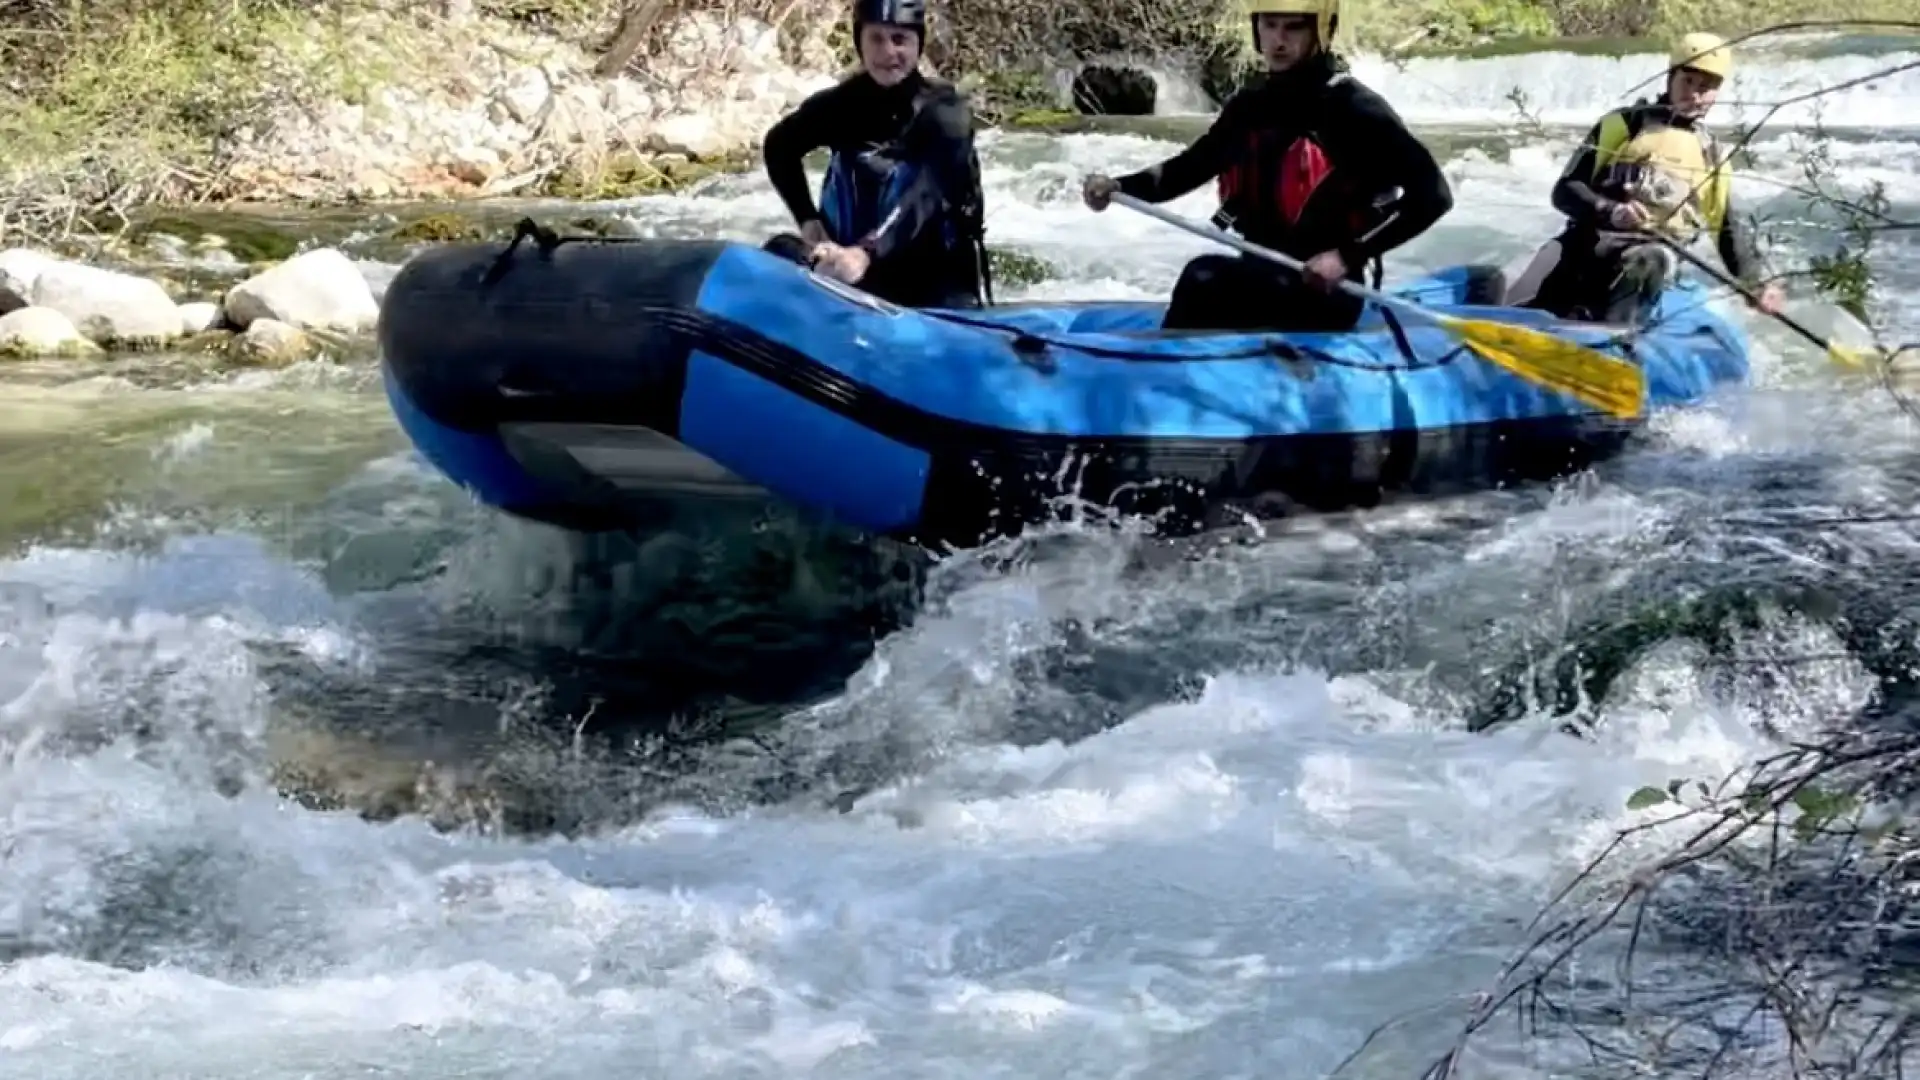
<point>1177,89</point>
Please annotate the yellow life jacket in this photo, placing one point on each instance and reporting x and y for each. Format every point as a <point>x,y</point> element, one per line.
<point>1674,172</point>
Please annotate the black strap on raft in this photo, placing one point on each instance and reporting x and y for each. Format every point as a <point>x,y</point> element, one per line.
<point>985,262</point>
<point>1029,345</point>
<point>527,229</point>
<point>1399,332</point>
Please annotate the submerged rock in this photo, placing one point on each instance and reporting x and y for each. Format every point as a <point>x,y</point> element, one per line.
<point>271,343</point>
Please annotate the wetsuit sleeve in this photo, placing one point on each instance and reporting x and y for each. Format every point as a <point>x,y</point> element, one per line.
<point>1390,157</point>
<point>1206,158</point>
<point>797,134</point>
<point>1573,195</point>
<point>940,138</point>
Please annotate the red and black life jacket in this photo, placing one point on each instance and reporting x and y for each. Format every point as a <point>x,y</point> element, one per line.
<point>1253,185</point>
<point>1267,191</point>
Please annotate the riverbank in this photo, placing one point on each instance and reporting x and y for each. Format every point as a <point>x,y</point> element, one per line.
<point>377,100</point>
<point>355,104</point>
<point>375,106</point>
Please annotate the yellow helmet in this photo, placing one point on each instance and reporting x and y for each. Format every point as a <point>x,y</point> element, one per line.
<point>1705,53</point>
<point>1324,13</point>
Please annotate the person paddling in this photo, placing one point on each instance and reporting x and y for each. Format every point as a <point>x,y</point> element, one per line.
<point>1649,176</point>
<point>1310,162</point>
<point>901,211</point>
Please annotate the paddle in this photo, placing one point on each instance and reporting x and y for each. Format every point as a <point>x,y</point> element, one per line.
<point>1845,355</point>
<point>1607,383</point>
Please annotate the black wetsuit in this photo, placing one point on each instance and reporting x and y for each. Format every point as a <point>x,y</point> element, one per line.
<point>927,249</point>
<point>1617,276</point>
<point>1308,161</point>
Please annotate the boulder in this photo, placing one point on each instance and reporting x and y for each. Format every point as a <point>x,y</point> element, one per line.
<point>316,290</point>
<point>198,318</point>
<point>696,40</point>
<point>626,100</point>
<point>476,165</point>
<point>692,134</point>
<point>271,343</point>
<point>30,332</point>
<point>107,306</point>
<point>19,269</point>
<point>1105,90</point>
<point>378,276</point>
<point>580,116</point>
<point>755,46</point>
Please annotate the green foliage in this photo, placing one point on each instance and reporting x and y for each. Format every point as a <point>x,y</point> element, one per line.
<point>1673,17</point>
<point>1043,119</point>
<point>840,39</point>
<point>626,175</point>
<point>249,241</point>
<point>121,71</point>
<point>997,96</point>
<point>125,101</point>
<point>441,228</point>
<point>1843,273</point>
<point>1463,21</point>
<point>1226,74</point>
<point>1646,797</point>
<point>1511,25</point>
<point>983,38</point>
<point>1844,277</point>
<point>1819,808</point>
<point>1011,266</point>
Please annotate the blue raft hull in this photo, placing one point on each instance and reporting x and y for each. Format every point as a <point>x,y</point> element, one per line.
<point>578,384</point>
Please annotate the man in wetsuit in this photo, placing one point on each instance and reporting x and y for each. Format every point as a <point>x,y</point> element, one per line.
<point>901,208</point>
<point>1307,161</point>
<point>1649,168</point>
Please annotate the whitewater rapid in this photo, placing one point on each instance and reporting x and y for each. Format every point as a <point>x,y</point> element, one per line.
<point>1243,881</point>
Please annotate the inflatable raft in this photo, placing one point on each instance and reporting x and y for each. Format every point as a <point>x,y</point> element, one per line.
<point>578,382</point>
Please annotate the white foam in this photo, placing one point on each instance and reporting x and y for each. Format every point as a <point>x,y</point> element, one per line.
<point>1568,88</point>
<point>1241,882</point>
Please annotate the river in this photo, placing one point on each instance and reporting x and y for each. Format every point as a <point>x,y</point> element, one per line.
<point>1096,806</point>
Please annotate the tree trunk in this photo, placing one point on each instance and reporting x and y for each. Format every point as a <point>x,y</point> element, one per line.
<point>635,23</point>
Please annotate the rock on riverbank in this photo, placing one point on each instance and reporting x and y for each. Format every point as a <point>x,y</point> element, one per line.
<point>280,314</point>
<point>468,105</point>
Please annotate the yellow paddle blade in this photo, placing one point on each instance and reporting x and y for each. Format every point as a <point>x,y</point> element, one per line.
<point>1612,385</point>
<point>1848,356</point>
<point>1849,342</point>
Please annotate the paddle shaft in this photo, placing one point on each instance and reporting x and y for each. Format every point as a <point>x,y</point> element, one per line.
<point>1730,282</point>
<point>1247,247</point>
<point>1607,383</point>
